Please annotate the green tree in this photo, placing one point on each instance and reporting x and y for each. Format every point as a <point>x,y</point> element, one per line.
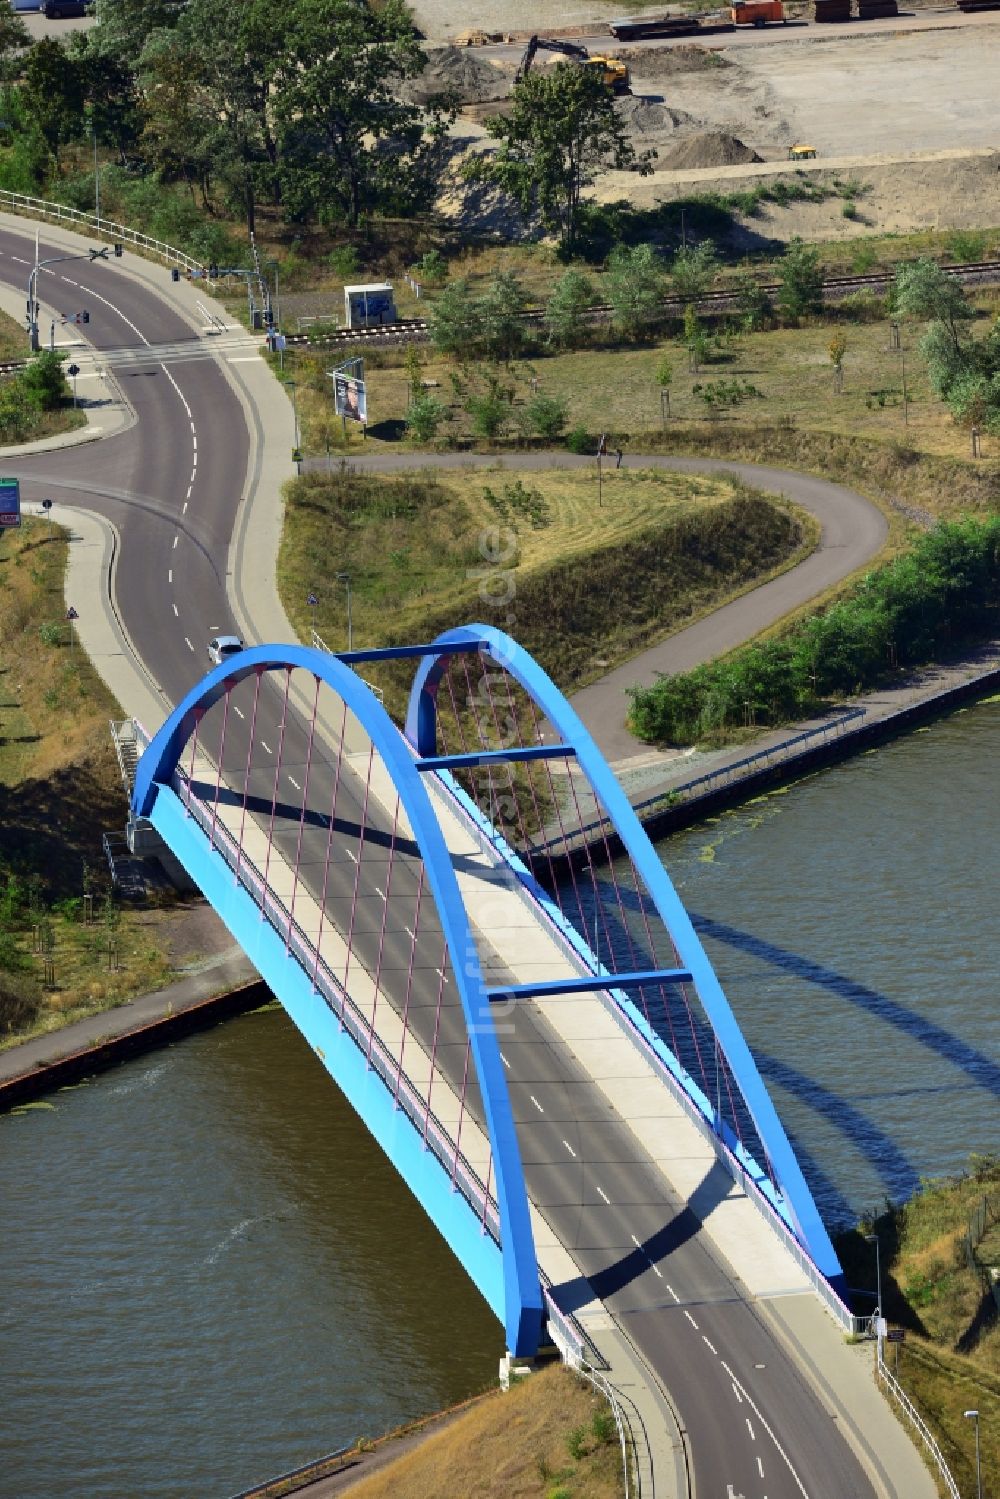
<point>635,288</point>
<point>424,416</point>
<point>755,307</point>
<point>350,145</point>
<point>562,128</point>
<point>14,40</point>
<point>548,415</point>
<point>180,136</point>
<point>923,290</point>
<point>566,310</point>
<point>693,270</point>
<point>800,281</point>
<point>500,316</point>
<point>53,91</point>
<point>44,382</point>
<point>456,321</point>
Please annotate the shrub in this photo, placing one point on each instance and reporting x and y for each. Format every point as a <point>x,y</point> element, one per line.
<point>603,1427</point>
<point>548,415</point>
<point>345,262</point>
<point>577,1442</point>
<point>43,380</point>
<point>579,440</point>
<point>424,417</point>
<point>432,267</point>
<point>489,412</point>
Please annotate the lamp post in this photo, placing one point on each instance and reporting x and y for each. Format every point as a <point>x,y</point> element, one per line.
<point>974,1416</point>
<point>345,578</point>
<point>873,1239</point>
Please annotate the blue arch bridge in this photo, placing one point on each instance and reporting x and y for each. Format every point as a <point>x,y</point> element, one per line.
<point>445,908</point>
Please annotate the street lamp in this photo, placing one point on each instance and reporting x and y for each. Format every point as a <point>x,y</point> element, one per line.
<point>974,1416</point>
<point>873,1239</point>
<point>345,578</point>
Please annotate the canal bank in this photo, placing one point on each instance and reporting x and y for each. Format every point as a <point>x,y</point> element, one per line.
<point>667,800</point>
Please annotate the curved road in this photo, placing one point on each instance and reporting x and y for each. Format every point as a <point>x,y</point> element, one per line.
<point>172,485</point>
<point>852,532</point>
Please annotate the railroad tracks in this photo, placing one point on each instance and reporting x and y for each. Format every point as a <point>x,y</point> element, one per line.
<point>418,330</point>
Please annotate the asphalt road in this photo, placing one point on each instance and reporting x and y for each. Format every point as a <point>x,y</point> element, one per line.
<point>172,485</point>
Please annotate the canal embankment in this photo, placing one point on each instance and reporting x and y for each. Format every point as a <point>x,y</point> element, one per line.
<point>220,990</point>
<point>669,793</point>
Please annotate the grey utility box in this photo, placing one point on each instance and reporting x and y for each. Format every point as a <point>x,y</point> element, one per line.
<point>369,306</point>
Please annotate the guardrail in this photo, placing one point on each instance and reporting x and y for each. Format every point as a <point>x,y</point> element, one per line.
<point>259,1490</point>
<point>44,208</point>
<point>405,1093</point>
<point>902,1399</point>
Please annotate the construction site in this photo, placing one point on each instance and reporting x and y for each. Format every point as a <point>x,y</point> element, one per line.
<point>901,107</point>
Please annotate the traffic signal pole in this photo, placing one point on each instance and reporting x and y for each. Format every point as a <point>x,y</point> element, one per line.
<point>34,343</point>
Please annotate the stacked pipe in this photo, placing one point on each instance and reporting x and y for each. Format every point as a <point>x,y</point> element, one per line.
<point>833,10</point>
<point>973,5</point>
<point>876,10</point>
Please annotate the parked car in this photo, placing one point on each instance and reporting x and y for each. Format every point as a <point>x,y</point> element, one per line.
<point>222,647</point>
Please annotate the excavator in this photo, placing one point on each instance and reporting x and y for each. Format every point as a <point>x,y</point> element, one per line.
<point>611,70</point>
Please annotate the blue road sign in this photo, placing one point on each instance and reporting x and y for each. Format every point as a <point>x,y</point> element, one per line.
<point>10,502</point>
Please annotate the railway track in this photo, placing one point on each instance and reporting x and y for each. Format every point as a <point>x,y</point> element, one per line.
<point>414,330</point>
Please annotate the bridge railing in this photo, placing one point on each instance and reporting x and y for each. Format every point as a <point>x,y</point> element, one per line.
<point>407,1096</point>
<point>44,208</point>
<point>906,1405</point>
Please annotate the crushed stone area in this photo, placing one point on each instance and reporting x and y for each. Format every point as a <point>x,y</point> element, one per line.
<point>707,148</point>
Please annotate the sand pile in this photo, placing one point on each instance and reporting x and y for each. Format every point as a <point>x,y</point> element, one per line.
<point>709,148</point>
<point>666,62</point>
<point>458,71</point>
<point>647,119</point>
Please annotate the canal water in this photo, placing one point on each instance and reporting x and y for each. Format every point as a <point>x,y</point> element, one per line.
<point>210,1273</point>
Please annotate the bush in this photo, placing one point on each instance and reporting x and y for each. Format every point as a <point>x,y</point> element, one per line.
<point>345,262</point>
<point>579,440</point>
<point>20,1002</point>
<point>489,413</point>
<point>577,1443</point>
<point>603,1427</point>
<point>801,281</point>
<point>548,415</point>
<point>432,267</point>
<point>44,382</point>
<point>942,591</point>
<point>424,417</point>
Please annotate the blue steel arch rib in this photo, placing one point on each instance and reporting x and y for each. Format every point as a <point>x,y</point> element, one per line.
<point>421,730</point>
<point>521,1288</point>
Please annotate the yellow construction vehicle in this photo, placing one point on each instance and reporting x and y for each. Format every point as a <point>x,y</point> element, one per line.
<point>611,70</point>
<point>801,152</point>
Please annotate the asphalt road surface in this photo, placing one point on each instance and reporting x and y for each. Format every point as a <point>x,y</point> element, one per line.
<point>172,485</point>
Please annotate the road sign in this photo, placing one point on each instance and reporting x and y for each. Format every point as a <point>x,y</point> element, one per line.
<point>312,600</point>
<point>296,455</point>
<point>71,613</point>
<point>10,503</point>
<point>73,370</point>
<point>46,506</point>
<point>896,1335</point>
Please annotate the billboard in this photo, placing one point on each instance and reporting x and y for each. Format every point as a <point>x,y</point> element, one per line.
<point>350,399</point>
<point>10,503</point>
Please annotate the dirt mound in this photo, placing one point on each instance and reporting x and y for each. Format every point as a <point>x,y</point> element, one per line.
<point>458,71</point>
<point>709,148</point>
<point>665,62</point>
<point>649,119</point>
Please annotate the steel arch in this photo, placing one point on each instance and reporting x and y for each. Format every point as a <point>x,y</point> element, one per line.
<point>421,730</point>
<point>522,1288</point>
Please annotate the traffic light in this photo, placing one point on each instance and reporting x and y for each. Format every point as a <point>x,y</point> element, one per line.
<point>85,317</point>
<point>119,251</point>
<point>213,273</point>
<point>175,274</point>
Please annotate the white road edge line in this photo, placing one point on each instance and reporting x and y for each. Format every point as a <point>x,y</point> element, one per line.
<point>504,1060</point>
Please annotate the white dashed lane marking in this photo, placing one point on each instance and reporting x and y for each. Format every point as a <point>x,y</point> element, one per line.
<point>536,1103</point>
<point>601,1193</point>
<point>570,1149</point>
<point>691,1319</point>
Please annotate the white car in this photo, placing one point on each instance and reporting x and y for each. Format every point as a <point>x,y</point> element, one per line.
<point>222,647</point>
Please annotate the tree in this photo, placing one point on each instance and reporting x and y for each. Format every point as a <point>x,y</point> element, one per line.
<point>14,39</point>
<point>837,348</point>
<point>456,321</point>
<point>567,307</point>
<point>501,323</point>
<point>753,302</point>
<point>548,415</point>
<point>424,416</point>
<point>180,136</point>
<point>349,143</point>
<point>635,287</point>
<point>44,381</point>
<point>801,281</point>
<point>54,93</point>
<point>922,290</point>
<point>693,270</point>
<point>561,130</point>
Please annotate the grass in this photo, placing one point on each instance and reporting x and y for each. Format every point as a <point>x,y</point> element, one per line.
<point>582,586</point>
<point>59,790</point>
<point>950,1361</point>
<point>549,1435</point>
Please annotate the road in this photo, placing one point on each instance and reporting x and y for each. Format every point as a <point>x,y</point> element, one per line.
<point>172,485</point>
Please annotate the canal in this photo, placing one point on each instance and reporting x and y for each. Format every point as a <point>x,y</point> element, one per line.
<point>211,1274</point>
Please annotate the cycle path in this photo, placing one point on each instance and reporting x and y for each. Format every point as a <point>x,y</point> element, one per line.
<point>852,533</point>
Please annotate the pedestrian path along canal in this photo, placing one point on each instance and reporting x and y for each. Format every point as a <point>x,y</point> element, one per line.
<point>211,1274</point>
